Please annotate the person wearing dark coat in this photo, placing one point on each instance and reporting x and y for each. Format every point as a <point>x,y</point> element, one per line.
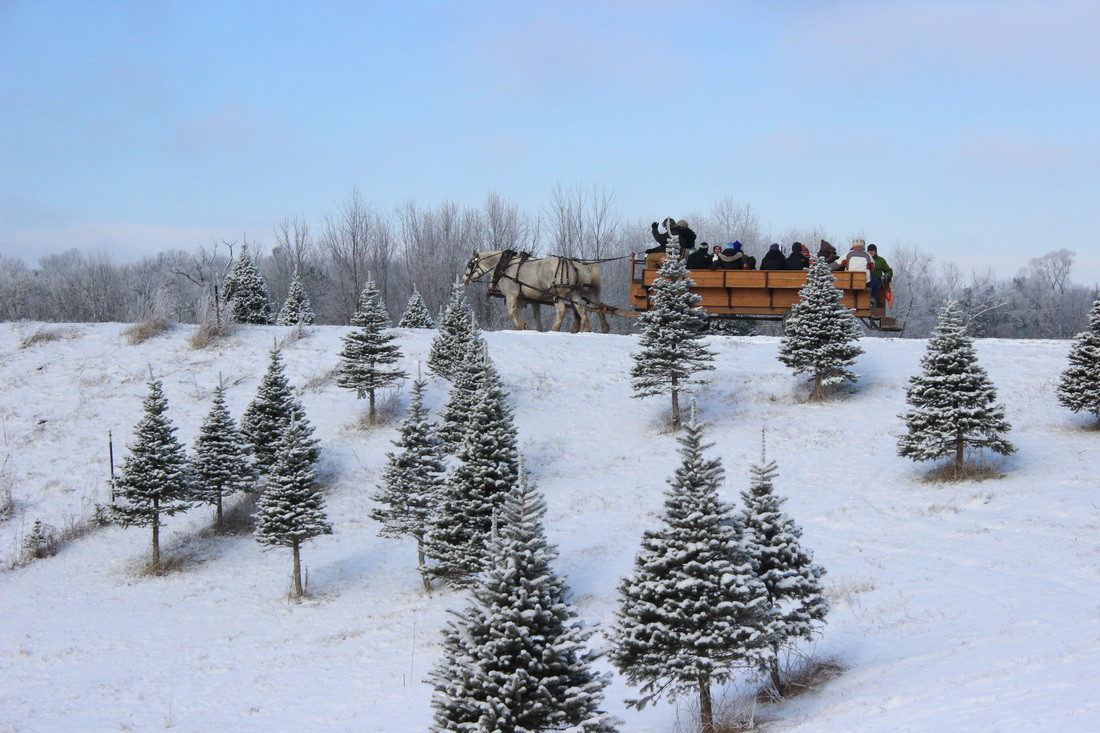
<point>685,233</point>
<point>773,260</point>
<point>796,260</point>
<point>731,258</point>
<point>699,259</point>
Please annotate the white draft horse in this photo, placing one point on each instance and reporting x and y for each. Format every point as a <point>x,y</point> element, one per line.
<point>524,280</point>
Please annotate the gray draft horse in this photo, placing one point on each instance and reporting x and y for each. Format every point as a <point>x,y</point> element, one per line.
<point>526,280</point>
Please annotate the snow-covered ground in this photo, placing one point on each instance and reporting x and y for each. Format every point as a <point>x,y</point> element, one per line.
<point>956,607</point>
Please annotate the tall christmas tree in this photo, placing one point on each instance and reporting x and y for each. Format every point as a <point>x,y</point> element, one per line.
<point>673,353</point>
<point>416,313</point>
<point>693,610</point>
<point>245,292</point>
<point>788,572</point>
<point>1079,389</point>
<point>954,404</point>
<point>266,418</point>
<point>821,334</point>
<point>220,464</point>
<point>296,310</point>
<point>486,469</point>
<point>412,478</point>
<point>153,481</point>
<point>455,329</point>
<point>368,351</point>
<point>291,511</point>
<point>515,660</point>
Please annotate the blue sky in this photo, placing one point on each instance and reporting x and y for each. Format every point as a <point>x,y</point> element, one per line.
<point>970,129</point>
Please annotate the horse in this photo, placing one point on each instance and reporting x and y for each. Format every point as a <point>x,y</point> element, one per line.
<point>523,280</point>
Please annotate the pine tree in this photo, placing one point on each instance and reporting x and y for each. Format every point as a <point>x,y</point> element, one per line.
<point>296,310</point>
<point>153,481</point>
<point>245,292</point>
<point>786,568</point>
<point>953,400</point>
<point>455,328</point>
<point>368,350</point>
<point>416,313</point>
<point>693,609</point>
<point>290,510</point>
<point>486,469</point>
<point>820,334</point>
<point>467,373</point>
<point>265,420</point>
<point>412,478</point>
<point>1079,389</point>
<point>220,464</point>
<point>515,659</point>
<point>673,352</point>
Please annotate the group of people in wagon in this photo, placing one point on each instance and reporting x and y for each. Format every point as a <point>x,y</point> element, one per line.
<point>862,257</point>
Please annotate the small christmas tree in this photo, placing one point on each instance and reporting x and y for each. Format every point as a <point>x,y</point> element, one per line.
<point>954,402</point>
<point>486,469</point>
<point>785,567</point>
<point>220,464</point>
<point>245,292</point>
<point>153,481</point>
<point>820,334</point>
<point>416,313</point>
<point>412,478</point>
<point>290,511</point>
<point>673,353</point>
<point>515,660</point>
<point>296,310</point>
<point>455,329</point>
<point>466,376</point>
<point>693,610</point>
<point>368,350</point>
<point>265,420</point>
<point>1079,389</point>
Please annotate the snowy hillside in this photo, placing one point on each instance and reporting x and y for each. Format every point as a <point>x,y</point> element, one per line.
<point>955,607</point>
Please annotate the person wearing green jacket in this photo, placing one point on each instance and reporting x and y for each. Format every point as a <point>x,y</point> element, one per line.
<point>883,273</point>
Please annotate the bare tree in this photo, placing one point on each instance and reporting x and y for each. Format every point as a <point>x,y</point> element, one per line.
<point>346,242</point>
<point>207,269</point>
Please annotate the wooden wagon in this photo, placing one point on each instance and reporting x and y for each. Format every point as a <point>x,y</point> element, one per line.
<point>761,294</point>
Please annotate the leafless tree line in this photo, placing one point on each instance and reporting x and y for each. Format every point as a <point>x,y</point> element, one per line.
<point>425,247</point>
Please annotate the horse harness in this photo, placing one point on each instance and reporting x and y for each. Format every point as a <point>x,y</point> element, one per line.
<point>509,256</point>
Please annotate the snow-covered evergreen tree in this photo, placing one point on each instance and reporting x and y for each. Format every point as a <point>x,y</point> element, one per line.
<point>296,308</point>
<point>787,570</point>
<point>455,329</point>
<point>290,510</point>
<point>486,469</point>
<point>673,353</point>
<point>954,404</point>
<point>368,351</point>
<point>153,481</point>
<point>220,465</point>
<point>466,374</point>
<point>693,610</point>
<point>416,313</point>
<point>1079,389</point>
<point>515,659</point>
<point>245,292</point>
<point>821,335</point>
<point>412,478</point>
<point>266,418</point>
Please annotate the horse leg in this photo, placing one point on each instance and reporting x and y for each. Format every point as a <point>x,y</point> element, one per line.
<point>513,312</point>
<point>536,310</point>
<point>559,313</point>
<point>582,314</point>
<point>603,322</point>
<point>576,319</point>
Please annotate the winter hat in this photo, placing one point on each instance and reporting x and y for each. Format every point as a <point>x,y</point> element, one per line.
<point>805,250</point>
<point>736,246</point>
<point>774,247</point>
<point>682,224</point>
<point>872,248</point>
<point>858,242</point>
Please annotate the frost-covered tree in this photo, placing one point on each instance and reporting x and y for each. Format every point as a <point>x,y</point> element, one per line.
<point>954,404</point>
<point>266,418</point>
<point>486,469</point>
<point>290,510</point>
<point>296,308</point>
<point>153,481</point>
<point>787,570</point>
<point>245,292</point>
<point>220,465</point>
<point>821,335</point>
<point>515,659</point>
<point>416,313</point>
<point>673,353</point>
<point>412,478</point>
<point>1079,389</point>
<point>466,375</point>
<point>369,351</point>
<point>693,610</point>
<point>455,329</point>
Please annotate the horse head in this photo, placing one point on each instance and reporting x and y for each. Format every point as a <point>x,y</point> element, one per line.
<point>474,270</point>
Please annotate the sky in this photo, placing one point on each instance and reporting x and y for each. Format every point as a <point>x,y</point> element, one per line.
<point>968,129</point>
